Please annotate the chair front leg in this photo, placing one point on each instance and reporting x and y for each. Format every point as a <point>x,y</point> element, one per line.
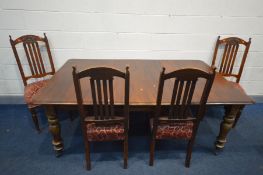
<point>125,152</point>
<point>34,118</point>
<point>189,153</point>
<point>190,146</point>
<point>152,148</point>
<point>87,155</point>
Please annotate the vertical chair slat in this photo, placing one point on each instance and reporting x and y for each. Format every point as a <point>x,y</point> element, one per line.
<point>191,92</point>
<point>224,58</point>
<point>230,58</point>
<point>190,96</point>
<point>185,96</point>
<point>227,57</point>
<point>234,59</point>
<point>175,89</point>
<point>32,58</point>
<point>178,100</point>
<point>94,98</point>
<point>29,59</point>
<point>101,114</point>
<point>105,92</point>
<point>40,58</point>
<point>37,59</point>
<point>112,113</point>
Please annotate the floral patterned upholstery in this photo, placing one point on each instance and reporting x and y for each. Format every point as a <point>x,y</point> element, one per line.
<point>105,133</point>
<point>31,90</point>
<point>182,130</point>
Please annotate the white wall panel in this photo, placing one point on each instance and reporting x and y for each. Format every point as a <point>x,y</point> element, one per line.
<point>138,29</point>
<point>178,7</point>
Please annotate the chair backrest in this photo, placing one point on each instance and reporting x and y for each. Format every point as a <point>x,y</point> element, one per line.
<point>101,83</point>
<point>227,62</point>
<point>185,81</point>
<point>34,58</point>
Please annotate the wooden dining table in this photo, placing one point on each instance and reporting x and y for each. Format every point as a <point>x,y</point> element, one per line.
<point>144,76</point>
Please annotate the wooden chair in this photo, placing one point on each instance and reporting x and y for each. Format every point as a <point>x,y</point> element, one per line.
<point>227,62</point>
<point>179,122</point>
<point>38,68</point>
<point>103,124</point>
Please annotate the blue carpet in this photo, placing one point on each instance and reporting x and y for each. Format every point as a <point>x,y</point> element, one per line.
<point>23,151</point>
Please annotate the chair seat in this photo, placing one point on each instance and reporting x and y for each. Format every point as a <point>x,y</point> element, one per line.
<point>31,90</point>
<point>181,130</point>
<point>105,133</point>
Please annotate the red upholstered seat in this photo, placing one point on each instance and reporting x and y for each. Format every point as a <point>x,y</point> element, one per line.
<point>31,90</point>
<point>182,130</point>
<point>105,133</point>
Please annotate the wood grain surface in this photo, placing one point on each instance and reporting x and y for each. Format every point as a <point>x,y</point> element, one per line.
<point>144,77</point>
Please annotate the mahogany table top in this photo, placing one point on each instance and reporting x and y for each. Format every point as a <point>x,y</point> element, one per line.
<point>144,77</point>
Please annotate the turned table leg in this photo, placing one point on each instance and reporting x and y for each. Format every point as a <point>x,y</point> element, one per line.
<point>54,128</point>
<point>230,115</point>
<point>238,116</point>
